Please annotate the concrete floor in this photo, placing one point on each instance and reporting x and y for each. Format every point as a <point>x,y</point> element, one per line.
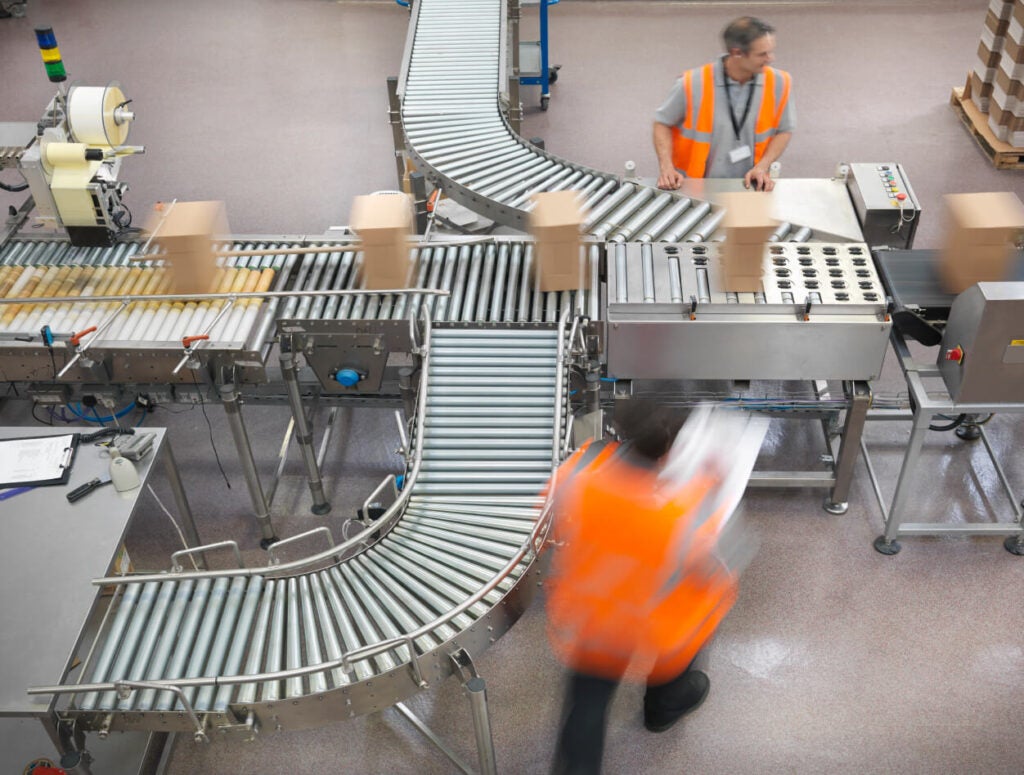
<point>836,659</point>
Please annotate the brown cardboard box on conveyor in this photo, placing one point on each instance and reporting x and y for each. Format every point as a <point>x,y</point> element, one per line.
<point>748,223</point>
<point>384,225</point>
<point>559,261</point>
<point>186,232</point>
<point>980,235</point>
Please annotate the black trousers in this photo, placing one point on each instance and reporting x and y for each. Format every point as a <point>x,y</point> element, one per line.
<point>587,698</point>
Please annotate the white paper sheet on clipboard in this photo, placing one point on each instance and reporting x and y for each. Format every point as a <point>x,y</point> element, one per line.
<point>36,461</point>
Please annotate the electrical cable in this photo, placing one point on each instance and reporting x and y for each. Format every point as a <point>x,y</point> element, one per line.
<point>97,415</point>
<point>15,188</point>
<point>174,522</point>
<point>111,418</point>
<point>34,417</point>
<point>202,405</point>
<point>953,425</point>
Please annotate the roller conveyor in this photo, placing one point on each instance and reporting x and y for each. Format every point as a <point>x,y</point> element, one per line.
<point>451,94</point>
<point>448,573</point>
<point>131,340</point>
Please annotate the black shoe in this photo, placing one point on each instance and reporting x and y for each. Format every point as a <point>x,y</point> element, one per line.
<point>692,689</point>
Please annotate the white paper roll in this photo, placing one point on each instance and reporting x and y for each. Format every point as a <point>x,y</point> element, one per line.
<point>91,115</point>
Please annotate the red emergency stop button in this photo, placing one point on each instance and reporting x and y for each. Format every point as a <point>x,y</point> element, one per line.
<point>901,196</point>
<point>955,354</point>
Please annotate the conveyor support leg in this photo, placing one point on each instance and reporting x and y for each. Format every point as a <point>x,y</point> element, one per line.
<point>476,691</point>
<point>303,432</point>
<point>233,409</point>
<point>859,394</point>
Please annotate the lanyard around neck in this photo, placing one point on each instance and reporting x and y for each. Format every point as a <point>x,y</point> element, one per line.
<point>738,125</point>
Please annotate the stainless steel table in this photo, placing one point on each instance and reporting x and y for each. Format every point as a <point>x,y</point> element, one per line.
<point>50,552</point>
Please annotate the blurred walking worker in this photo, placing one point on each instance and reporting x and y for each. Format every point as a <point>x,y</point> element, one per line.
<point>637,587</point>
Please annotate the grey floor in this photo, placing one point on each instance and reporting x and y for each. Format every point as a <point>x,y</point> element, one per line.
<point>836,659</point>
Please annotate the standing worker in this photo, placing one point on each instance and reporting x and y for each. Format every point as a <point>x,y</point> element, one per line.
<point>636,589</point>
<point>730,118</point>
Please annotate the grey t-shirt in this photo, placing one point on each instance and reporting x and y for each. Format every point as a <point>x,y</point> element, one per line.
<point>723,139</point>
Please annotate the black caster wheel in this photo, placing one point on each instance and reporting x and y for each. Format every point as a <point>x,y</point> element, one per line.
<point>968,432</point>
<point>553,73</point>
<point>1014,546</point>
<point>266,543</point>
<point>893,547</point>
<point>544,102</point>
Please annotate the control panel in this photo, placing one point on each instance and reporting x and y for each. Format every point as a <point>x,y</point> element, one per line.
<point>885,204</point>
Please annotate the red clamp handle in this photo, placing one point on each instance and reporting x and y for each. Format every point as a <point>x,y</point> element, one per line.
<point>187,341</point>
<point>76,338</point>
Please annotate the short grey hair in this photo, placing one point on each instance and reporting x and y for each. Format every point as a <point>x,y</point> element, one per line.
<point>742,32</point>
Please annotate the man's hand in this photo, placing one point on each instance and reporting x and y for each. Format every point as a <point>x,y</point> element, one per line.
<point>671,179</point>
<point>758,178</point>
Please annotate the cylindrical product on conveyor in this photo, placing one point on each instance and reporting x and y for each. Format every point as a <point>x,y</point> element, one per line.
<point>688,220</point>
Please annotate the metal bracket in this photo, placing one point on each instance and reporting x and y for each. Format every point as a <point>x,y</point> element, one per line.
<point>247,730</point>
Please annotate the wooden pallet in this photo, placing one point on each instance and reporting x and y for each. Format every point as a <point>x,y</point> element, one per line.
<point>1002,155</point>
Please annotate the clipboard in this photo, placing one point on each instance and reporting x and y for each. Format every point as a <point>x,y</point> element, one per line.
<point>37,461</point>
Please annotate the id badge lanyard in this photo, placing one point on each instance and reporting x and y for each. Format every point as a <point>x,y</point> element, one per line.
<point>738,124</point>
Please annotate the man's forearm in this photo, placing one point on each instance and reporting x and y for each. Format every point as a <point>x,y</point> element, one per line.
<point>775,148</point>
<point>663,145</point>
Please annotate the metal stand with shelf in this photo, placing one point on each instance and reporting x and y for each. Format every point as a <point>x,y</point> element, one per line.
<point>534,63</point>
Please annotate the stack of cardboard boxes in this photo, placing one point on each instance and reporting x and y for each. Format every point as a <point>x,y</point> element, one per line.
<point>748,223</point>
<point>996,83</point>
<point>980,234</point>
<point>555,222</point>
<point>384,224</point>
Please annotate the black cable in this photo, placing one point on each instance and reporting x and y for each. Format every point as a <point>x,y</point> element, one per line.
<point>13,189</point>
<point>34,417</point>
<point>202,405</point>
<point>955,424</point>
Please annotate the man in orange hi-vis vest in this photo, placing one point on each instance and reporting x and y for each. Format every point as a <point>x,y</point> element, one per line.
<point>730,118</point>
<point>637,587</point>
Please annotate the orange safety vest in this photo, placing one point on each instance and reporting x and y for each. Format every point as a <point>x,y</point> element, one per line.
<point>634,585</point>
<point>691,141</point>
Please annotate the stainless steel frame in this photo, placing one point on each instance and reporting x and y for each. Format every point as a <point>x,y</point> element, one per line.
<point>925,405</point>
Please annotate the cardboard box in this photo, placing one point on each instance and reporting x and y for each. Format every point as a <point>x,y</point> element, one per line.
<point>1002,9</point>
<point>992,42</point>
<point>742,258</point>
<point>981,229</point>
<point>384,224</point>
<point>558,263</point>
<point>186,232</point>
<point>995,25</point>
<point>741,283</point>
<point>748,217</point>
<point>989,58</point>
<point>1018,12</point>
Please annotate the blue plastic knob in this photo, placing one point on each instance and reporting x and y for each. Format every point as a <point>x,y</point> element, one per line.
<point>347,377</point>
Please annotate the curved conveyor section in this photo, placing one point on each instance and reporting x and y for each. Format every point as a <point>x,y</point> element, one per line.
<point>455,130</point>
<point>491,415</point>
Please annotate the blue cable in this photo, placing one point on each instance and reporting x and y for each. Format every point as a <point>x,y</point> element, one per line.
<point>117,416</point>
